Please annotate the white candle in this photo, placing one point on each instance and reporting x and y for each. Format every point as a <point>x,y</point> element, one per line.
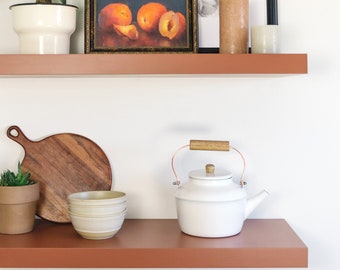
<point>265,39</point>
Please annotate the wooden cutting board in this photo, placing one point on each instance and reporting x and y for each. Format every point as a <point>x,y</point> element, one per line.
<point>63,164</point>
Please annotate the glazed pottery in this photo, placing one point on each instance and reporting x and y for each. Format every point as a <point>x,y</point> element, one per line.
<point>44,28</point>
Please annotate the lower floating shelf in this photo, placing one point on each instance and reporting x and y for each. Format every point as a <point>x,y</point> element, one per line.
<point>155,243</point>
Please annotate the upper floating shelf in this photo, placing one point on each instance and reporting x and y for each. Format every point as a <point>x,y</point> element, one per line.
<point>119,64</point>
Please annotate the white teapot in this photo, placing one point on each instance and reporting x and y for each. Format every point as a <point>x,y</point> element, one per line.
<point>210,204</point>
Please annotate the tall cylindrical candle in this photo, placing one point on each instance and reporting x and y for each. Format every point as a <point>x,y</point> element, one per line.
<point>272,12</point>
<point>234,16</point>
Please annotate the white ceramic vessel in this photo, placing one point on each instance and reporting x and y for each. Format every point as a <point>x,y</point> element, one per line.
<point>44,28</point>
<point>97,197</point>
<point>104,223</point>
<point>97,228</point>
<point>97,214</point>
<point>97,209</point>
<point>210,204</point>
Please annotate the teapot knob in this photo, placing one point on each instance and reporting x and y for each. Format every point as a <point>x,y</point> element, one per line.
<point>210,168</point>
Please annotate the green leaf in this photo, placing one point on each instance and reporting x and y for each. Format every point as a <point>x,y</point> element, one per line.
<point>8,178</point>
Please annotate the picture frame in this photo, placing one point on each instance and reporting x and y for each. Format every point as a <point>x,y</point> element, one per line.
<point>141,26</point>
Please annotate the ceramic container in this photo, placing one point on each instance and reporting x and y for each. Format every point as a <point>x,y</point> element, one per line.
<point>97,228</point>
<point>98,209</point>
<point>97,214</point>
<point>44,28</point>
<point>100,197</point>
<point>210,204</point>
<point>18,206</point>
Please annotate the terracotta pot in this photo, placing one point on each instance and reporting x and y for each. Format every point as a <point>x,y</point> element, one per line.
<point>17,208</point>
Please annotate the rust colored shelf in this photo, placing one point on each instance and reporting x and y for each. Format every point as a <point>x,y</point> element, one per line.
<point>155,243</point>
<point>117,64</point>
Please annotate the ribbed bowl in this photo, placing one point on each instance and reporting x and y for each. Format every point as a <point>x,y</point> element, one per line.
<point>100,197</point>
<point>99,227</point>
<point>97,214</point>
<point>97,210</point>
<point>94,213</point>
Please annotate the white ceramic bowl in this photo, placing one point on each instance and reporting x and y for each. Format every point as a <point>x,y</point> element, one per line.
<point>101,227</point>
<point>100,197</point>
<point>98,235</point>
<point>97,210</point>
<point>95,213</point>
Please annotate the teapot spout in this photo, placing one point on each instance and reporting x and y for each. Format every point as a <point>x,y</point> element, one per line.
<point>254,201</point>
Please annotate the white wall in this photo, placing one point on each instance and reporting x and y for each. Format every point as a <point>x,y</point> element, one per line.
<point>286,126</point>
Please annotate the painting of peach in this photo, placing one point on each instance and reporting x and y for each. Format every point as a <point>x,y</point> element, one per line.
<point>117,26</point>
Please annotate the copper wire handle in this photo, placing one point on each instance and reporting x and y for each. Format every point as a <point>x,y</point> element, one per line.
<point>208,146</point>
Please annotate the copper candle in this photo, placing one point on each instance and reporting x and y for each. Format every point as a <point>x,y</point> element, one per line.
<point>234,26</point>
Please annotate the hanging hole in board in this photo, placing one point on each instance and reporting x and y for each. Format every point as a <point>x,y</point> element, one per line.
<point>14,132</point>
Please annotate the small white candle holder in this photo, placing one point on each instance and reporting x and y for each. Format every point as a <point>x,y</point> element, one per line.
<point>265,39</point>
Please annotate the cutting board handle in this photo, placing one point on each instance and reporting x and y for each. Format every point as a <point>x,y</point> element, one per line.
<point>15,133</point>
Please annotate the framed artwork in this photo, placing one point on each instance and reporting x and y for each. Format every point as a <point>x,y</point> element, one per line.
<point>208,26</point>
<point>140,26</point>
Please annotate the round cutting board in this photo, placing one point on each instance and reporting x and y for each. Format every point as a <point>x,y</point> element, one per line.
<point>63,164</point>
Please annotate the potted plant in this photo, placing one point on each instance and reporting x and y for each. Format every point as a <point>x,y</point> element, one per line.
<point>44,27</point>
<point>19,196</point>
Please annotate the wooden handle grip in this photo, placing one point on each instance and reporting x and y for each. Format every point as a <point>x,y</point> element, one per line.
<point>209,145</point>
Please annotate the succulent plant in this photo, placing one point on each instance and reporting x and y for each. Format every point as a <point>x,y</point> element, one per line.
<point>9,178</point>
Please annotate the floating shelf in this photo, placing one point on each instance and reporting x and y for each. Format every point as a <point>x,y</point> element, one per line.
<point>155,243</point>
<point>118,64</point>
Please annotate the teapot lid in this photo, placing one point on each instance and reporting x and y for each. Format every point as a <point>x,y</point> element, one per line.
<point>210,185</point>
<point>210,173</point>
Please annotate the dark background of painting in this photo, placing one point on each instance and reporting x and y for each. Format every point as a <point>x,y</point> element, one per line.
<point>175,5</point>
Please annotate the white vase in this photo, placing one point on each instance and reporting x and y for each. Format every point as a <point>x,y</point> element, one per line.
<point>44,28</point>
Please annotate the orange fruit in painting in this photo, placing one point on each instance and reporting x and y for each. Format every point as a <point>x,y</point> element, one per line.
<point>115,13</point>
<point>182,24</point>
<point>149,14</point>
<point>172,25</point>
<point>130,31</point>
